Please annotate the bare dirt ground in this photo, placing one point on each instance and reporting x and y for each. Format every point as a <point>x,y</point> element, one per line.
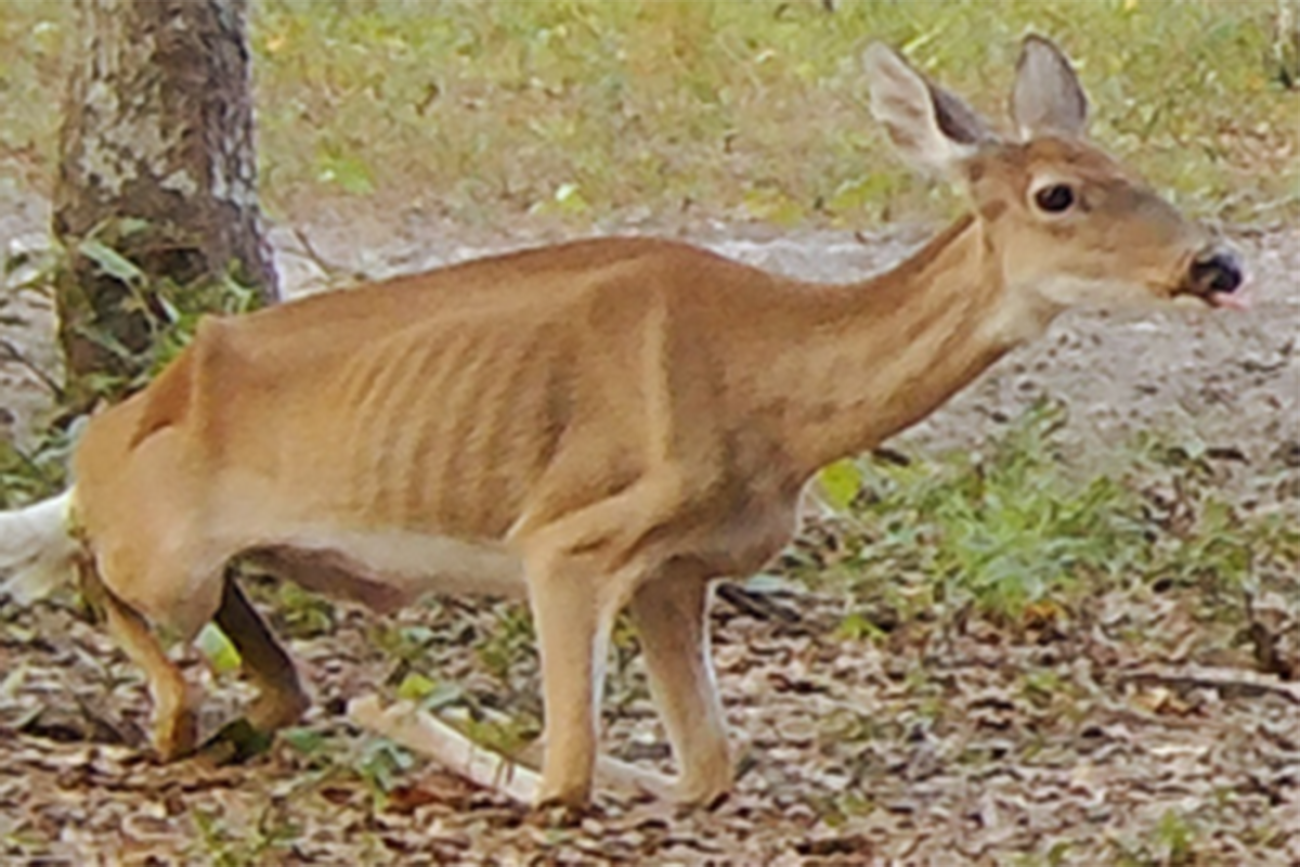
<point>962,747</point>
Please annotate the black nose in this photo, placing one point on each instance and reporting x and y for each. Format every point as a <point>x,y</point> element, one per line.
<point>1216,271</point>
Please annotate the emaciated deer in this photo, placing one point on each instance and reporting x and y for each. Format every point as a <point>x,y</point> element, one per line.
<point>596,426</point>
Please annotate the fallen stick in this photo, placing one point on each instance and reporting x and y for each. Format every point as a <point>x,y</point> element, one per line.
<point>405,724</point>
<point>1247,683</point>
<point>419,731</point>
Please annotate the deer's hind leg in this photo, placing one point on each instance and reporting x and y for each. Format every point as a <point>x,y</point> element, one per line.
<point>281,700</point>
<point>175,725</point>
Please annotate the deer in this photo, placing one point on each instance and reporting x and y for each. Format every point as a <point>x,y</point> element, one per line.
<point>594,427</point>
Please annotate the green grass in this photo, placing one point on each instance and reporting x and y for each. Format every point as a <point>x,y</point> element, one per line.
<point>588,110</point>
<point>1015,533</point>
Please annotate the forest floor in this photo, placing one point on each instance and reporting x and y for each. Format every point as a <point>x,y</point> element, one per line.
<point>1136,729</point>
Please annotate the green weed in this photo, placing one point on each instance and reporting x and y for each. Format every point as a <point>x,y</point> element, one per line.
<point>1015,533</point>
<point>381,764</point>
<point>587,108</point>
<point>34,472</point>
<point>168,312</point>
<point>511,643</point>
<point>225,846</point>
<point>1172,842</point>
<point>301,613</point>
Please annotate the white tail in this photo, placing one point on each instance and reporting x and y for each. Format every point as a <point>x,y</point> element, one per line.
<point>36,549</point>
<point>598,425</point>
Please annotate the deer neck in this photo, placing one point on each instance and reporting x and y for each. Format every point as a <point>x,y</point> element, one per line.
<point>878,356</point>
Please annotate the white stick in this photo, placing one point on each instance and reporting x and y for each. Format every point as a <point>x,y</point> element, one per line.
<point>416,730</point>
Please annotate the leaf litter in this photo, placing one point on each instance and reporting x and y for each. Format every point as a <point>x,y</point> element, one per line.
<point>855,755</point>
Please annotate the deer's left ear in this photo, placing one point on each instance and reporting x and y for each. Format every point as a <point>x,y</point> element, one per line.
<point>1047,97</point>
<point>931,127</point>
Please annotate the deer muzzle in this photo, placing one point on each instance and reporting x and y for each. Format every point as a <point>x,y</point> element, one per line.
<point>1216,277</point>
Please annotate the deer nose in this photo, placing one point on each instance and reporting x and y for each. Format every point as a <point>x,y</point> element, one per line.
<point>1216,271</point>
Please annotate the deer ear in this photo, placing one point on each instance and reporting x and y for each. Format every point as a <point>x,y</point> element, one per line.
<point>933,129</point>
<point>1047,97</point>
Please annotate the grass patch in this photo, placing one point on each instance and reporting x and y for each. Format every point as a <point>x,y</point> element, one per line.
<point>584,110</point>
<point>1016,534</point>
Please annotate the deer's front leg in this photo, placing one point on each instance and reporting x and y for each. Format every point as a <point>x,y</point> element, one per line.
<point>573,620</point>
<point>671,615</point>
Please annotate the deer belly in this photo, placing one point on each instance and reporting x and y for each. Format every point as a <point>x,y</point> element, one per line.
<point>389,569</point>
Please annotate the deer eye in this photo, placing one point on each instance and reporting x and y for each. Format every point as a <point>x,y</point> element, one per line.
<point>1054,198</point>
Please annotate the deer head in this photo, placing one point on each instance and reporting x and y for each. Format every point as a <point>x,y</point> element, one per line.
<point>1070,226</point>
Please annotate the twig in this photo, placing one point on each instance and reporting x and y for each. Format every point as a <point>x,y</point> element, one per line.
<point>16,355</point>
<point>333,272</point>
<point>416,730</point>
<point>753,604</point>
<point>1228,680</point>
<point>425,734</point>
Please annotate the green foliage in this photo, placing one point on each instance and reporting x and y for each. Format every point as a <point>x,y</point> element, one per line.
<point>223,846</point>
<point>505,650</point>
<point>512,642</point>
<point>507,736</point>
<point>1199,538</point>
<point>750,109</point>
<point>1172,844</point>
<point>1002,530</point>
<point>381,765</point>
<point>1013,531</point>
<point>170,311</point>
<point>583,108</point>
<point>414,647</point>
<point>1174,837</point>
<point>612,106</point>
<point>218,649</point>
<point>301,613</point>
<point>34,472</point>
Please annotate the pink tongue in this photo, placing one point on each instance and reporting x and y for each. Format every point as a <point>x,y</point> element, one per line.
<point>1233,301</point>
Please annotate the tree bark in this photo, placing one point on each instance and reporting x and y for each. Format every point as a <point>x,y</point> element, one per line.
<point>156,162</point>
<point>1286,43</point>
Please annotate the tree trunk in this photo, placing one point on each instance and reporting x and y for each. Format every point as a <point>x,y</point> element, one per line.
<point>1286,43</point>
<point>157,164</point>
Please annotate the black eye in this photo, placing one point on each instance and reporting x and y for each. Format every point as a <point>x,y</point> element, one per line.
<point>1054,199</point>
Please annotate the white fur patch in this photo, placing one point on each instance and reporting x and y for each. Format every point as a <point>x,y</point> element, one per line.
<point>1020,317</point>
<point>1068,291</point>
<point>1028,308</point>
<point>392,568</point>
<point>36,548</point>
